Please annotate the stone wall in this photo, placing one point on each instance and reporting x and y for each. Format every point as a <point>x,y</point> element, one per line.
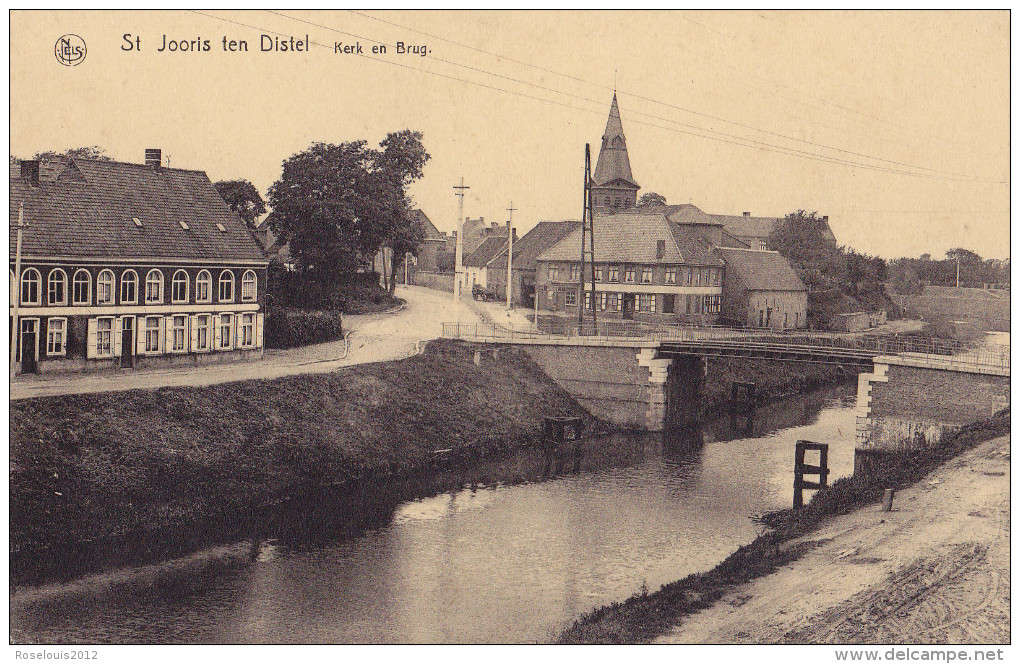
<point>910,407</point>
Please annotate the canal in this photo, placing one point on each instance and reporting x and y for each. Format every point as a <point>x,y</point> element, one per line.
<point>514,558</point>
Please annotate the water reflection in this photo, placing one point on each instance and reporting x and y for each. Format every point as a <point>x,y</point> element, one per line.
<point>507,550</point>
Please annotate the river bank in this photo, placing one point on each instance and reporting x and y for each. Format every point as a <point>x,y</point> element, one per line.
<point>514,548</point>
<point>101,480</point>
<point>649,616</point>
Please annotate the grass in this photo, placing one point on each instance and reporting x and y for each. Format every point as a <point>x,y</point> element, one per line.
<point>646,616</point>
<point>164,471</point>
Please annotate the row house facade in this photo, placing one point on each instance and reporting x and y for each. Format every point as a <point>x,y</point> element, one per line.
<point>130,265</point>
<point>646,269</point>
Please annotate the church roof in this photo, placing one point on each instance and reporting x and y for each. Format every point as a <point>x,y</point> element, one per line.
<point>613,163</point>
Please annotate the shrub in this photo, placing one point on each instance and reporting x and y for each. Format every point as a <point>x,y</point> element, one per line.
<point>288,328</point>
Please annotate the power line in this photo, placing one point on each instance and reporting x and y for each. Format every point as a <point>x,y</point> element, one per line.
<point>643,97</point>
<point>754,143</point>
<point>728,138</point>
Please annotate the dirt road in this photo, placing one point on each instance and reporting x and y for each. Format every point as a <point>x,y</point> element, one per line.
<point>374,338</point>
<point>934,570</point>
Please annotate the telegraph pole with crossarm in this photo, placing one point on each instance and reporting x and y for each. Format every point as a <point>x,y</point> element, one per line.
<point>459,260</point>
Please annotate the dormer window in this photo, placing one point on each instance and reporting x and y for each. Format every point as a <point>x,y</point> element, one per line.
<point>138,222</point>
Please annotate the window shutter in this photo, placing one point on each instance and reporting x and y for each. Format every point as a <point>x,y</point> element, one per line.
<point>91,350</point>
<point>118,336</point>
<point>259,321</point>
<point>651,303</point>
<point>164,331</point>
<point>193,321</point>
<point>216,332</point>
<point>619,301</point>
<point>140,332</point>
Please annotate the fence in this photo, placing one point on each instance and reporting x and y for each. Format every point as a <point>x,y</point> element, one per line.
<point>942,351</point>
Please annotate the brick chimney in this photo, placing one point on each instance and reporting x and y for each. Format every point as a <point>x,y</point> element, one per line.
<point>154,158</point>
<point>747,214</point>
<point>30,171</point>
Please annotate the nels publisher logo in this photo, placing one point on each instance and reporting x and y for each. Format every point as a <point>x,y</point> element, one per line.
<point>69,50</point>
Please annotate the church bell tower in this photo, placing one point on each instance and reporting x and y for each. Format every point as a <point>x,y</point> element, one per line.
<point>614,185</point>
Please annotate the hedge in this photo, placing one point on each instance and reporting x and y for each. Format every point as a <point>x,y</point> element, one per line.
<point>288,328</point>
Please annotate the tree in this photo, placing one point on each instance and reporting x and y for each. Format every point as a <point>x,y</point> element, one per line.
<point>86,152</point>
<point>243,198</point>
<point>337,205</point>
<point>651,198</point>
<point>802,239</point>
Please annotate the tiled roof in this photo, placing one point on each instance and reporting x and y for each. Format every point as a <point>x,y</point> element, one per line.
<point>732,241</point>
<point>485,251</point>
<point>87,211</point>
<point>432,233</point>
<point>526,249</point>
<point>633,237</point>
<point>761,270</point>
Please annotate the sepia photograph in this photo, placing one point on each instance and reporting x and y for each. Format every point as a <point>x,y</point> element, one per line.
<point>498,327</point>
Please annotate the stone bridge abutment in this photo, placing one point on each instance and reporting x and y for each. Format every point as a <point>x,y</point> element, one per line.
<point>627,385</point>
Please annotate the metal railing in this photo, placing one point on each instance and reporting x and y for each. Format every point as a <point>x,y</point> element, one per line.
<point>833,343</point>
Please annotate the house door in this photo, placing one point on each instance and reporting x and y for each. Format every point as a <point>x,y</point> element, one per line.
<point>768,317</point>
<point>629,301</point>
<point>127,342</point>
<point>29,346</point>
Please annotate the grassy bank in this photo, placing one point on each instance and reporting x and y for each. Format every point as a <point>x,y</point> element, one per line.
<point>774,381</point>
<point>644,617</point>
<point>166,471</point>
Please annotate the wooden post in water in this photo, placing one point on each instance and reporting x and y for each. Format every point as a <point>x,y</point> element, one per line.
<point>800,468</point>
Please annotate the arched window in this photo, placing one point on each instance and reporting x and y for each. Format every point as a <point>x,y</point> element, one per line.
<point>129,287</point>
<point>249,286</point>
<point>57,288</point>
<point>154,286</point>
<point>203,287</point>
<point>30,286</point>
<point>179,287</point>
<point>81,287</point>
<point>105,287</point>
<point>226,286</point>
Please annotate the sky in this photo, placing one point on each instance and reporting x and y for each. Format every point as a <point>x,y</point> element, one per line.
<point>894,124</point>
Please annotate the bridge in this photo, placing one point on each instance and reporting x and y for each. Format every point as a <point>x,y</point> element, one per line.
<point>916,388</point>
<point>716,341</point>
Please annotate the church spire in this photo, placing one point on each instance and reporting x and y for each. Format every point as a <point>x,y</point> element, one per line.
<point>615,185</point>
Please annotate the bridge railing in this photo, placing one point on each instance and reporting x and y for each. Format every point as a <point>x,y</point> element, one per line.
<point>944,351</point>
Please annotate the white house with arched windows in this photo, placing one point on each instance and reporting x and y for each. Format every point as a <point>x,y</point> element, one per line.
<point>130,265</point>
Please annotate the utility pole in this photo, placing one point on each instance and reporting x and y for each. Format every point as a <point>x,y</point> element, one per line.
<point>459,260</point>
<point>16,296</point>
<point>510,257</point>
<point>587,254</point>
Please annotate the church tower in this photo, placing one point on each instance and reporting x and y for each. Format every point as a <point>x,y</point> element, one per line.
<point>614,186</point>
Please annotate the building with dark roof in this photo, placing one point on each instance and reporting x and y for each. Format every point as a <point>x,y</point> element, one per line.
<point>761,289</point>
<point>476,266</point>
<point>526,250</point>
<point>130,265</point>
<point>427,260</point>
<point>646,268</point>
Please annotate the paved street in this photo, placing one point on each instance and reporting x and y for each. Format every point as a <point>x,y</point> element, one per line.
<point>373,338</point>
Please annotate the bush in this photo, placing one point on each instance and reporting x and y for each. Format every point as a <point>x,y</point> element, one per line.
<point>288,328</point>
